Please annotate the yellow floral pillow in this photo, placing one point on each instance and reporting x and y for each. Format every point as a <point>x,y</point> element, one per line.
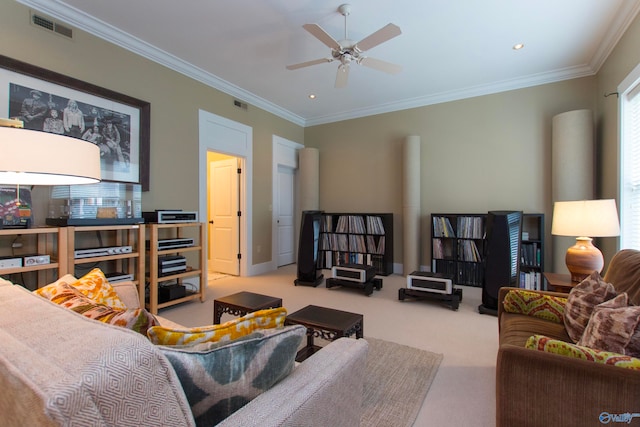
<point>94,285</point>
<point>535,304</point>
<point>549,345</point>
<point>262,319</point>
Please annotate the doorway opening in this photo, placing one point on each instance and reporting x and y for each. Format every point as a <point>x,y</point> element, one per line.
<point>221,135</point>
<point>223,214</point>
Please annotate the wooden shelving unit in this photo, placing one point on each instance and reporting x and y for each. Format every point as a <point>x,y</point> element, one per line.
<point>110,236</point>
<point>50,241</point>
<point>156,232</point>
<point>357,238</point>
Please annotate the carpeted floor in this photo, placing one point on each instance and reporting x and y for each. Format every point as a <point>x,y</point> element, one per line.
<point>398,379</point>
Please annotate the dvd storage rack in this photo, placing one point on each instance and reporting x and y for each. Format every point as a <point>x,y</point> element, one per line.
<point>356,238</point>
<point>457,248</point>
<point>195,256</point>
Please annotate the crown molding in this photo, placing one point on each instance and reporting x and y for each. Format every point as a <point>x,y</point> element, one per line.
<point>107,32</point>
<point>456,95</point>
<point>91,25</point>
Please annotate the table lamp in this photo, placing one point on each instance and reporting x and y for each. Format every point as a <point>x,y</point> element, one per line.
<point>585,219</point>
<point>30,157</point>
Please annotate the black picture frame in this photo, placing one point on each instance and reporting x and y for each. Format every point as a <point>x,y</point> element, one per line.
<point>129,161</point>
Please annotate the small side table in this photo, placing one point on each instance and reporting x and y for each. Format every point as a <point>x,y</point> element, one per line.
<point>325,323</point>
<point>242,303</point>
<point>558,282</point>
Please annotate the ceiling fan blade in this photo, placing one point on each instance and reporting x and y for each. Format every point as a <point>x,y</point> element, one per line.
<point>309,63</point>
<point>322,35</point>
<point>382,35</point>
<point>379,65</point>
<point>342,76</point>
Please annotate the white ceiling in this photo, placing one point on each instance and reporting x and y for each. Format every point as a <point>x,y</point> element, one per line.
<point>448,49</point>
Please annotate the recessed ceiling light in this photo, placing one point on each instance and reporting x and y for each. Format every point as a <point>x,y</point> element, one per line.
<point>312,96</point>
<point>518,46</point>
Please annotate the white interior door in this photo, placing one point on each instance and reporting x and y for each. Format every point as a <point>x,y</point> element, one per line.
<point>224,223</point>
<point>286,215</point>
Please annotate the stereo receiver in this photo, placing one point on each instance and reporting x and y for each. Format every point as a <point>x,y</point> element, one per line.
<point>36,259</point>
<point>10,262</point>
<point>96,252</point>
<point>170,216</point>
<point>171,264</point>
<point>430,282</point>
<point>167,244</point>
<point>360,273</point>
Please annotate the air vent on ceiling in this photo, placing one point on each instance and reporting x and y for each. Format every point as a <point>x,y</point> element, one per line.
<point>50,25</point>
<point>240,104</point>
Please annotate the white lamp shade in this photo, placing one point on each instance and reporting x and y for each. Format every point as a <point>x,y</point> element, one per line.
<point>32,157</point>
<point>585,218</point>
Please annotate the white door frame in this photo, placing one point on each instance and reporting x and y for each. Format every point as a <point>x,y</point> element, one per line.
<point>285,153</point>
<point>226,136</point>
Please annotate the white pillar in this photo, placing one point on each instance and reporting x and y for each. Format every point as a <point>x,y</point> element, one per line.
<point>411,204</point>
<point>309,169</point>
<point>572,169</point>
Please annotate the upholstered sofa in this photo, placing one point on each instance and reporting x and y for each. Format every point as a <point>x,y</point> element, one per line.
<point>538,388</point>
<point>60,368</point>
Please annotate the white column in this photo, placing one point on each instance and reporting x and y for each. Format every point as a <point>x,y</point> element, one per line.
<point>411,204</point>
<point>309,169</point>
<point>572,169</point>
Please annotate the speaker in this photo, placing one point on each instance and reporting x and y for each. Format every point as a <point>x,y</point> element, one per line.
<point>308,272</point>
<point>502,256</point>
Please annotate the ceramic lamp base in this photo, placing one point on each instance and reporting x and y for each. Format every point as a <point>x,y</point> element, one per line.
<point>583,258</point>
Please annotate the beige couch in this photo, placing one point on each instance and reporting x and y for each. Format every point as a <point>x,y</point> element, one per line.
<point>535,388</point>
<point>59,368</point>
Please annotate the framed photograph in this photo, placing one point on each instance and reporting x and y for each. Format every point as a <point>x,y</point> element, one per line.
<point>51,102</point>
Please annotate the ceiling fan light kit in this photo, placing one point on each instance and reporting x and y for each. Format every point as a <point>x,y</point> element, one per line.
<point>347,51</point>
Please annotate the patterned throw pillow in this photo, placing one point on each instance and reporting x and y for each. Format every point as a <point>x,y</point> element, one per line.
<point>581,301</point>
<point>93,285</point>
<point>612,326</point>
<point>138,320</point>
<point>219,381</point>
<point>549,345</point>
<point>261,319</point>
<point>534,304</point>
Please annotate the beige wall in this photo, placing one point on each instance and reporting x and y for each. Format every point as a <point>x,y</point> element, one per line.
<point>175,101</point>
<point>478,154</point>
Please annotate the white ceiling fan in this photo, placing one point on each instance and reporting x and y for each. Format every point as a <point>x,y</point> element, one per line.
<point>347,51</point>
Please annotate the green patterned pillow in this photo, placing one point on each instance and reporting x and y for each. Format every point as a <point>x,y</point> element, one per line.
<point>535,304</point>
<point>219,380</point>
<point>549,345</point>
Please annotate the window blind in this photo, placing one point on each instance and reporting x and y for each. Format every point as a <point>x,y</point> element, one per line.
<point>630,170</point>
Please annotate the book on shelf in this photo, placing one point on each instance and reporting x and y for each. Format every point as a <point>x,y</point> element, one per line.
<point>350,224</point>
<point>442,227</point>
<point>531,280</point>
<point>530,254</point>
<point>470,227</point>
<point>374,225</point>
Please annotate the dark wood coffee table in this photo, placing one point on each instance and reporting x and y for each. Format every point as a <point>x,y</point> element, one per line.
<point>242,303</point>
<point>325,323</point>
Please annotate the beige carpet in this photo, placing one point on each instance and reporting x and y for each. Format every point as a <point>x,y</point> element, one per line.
<point>398,379</point>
